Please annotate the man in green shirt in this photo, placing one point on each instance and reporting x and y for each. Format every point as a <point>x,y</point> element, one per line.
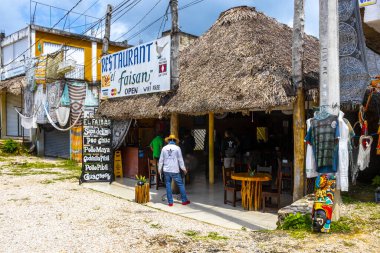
<point>156,146</point>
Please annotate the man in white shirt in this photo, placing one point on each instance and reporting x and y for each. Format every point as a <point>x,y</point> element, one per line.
<point>170,163</point>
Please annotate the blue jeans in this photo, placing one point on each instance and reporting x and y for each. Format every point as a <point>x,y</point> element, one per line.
<point>168,181</point>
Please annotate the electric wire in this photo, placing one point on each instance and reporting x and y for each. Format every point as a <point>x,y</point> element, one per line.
<point>92,5</point>
<point>48,30</point>
<point>133,4</point>
<point>158,19</point>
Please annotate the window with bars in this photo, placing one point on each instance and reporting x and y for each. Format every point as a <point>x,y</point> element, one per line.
<point>199,136</point>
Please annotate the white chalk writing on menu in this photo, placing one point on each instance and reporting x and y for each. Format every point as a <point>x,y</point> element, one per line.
<point>97,159</point>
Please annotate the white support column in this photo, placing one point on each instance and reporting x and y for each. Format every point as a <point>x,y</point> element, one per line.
<point>329,63</point>
<point>94,62</point>
<point>329,69</point>
<point>33,41</point>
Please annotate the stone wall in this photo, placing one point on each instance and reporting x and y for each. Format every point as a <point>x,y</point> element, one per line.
<point>303,206</point>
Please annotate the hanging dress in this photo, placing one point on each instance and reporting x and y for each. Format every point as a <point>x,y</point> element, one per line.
<point>365,143</point>
<point>311,166</point>
<point>344,160</point>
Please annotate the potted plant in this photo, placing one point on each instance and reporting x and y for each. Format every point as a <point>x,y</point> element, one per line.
<point>251,172</point>
<point>141,180</point>
<point>141,190</point>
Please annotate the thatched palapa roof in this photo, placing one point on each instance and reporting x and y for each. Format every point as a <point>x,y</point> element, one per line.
<point>13,85</point>
<point>243,62</point>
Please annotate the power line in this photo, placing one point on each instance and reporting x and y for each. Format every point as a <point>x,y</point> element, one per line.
<point>97,23</point>
<point>84,12</point>
<point>158,19</point>
<point>163,21</point>
<point>48,30</point>
<point>133,4</point>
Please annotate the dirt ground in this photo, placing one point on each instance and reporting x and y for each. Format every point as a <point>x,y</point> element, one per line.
<point>44,209</point>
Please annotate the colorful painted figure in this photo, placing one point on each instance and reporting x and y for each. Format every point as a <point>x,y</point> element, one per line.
<point>324,200</point>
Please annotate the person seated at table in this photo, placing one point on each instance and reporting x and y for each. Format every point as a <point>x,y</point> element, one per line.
<point>228,150</point>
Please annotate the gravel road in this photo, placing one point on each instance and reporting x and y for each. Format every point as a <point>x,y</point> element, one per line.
<point>40,214</point>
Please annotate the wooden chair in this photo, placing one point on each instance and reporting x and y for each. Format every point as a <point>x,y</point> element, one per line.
<point>268,194</point>
<point>230,186</point>
<point>154,178</point>
<point>266,185</point>
<point>286,176</point>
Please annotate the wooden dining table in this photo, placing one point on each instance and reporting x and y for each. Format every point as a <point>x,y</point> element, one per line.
<point>251,188</point>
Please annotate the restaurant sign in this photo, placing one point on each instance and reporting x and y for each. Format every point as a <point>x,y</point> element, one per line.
<point>137,70</point>
<point>363,3</point>
<point>97,163</point>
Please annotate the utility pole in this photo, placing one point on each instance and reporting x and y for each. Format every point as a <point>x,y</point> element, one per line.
<point>329,81</point>
<point>174,52</point>
<point>299,105</point>
<point>107,34</point>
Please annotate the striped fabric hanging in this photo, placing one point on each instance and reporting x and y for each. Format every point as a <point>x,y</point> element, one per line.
<point>77,93</point>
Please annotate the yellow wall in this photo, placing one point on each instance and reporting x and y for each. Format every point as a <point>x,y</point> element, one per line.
<point>42,37</point>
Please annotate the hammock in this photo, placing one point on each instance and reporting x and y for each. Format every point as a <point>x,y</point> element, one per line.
<point>27,122</point>
<point>63,115</point>
<point>58,128</point>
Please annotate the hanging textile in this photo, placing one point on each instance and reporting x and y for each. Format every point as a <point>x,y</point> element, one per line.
<point>76,143</point>
<point>119,131</point>
<point>27,122</point>
<point>354,77</point>
<point>52,62</point>
<point>90,99</point>
<point>77,93</point>
<point>29,88</point>
<point>53,93</point>
<point>63,115</point>
<point>311,167</point>
<point>39,101</point>
<point>322,135</point>
<point>346,133</point>
<point>58,128</point>
<point>365,143</point>
<point>65,99</point>
<point>40,70</point>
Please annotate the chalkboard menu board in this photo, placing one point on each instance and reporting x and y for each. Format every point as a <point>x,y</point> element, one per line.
<point>97,149</point>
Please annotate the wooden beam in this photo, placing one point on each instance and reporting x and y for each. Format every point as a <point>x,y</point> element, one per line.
<point>107,33</point>
<point>174,75</point>
<point>174,124</point>
<point>211,147</point>
<point>299,132</point>
<point>299,104</point>
<point>3,114</point>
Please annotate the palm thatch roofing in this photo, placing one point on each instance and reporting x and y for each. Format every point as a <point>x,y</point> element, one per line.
<point>13,85</point>
<point>243,62</point>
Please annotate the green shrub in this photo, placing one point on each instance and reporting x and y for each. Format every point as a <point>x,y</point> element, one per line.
<point>343,225</point>
<point>10,146</point>
<point>297,221</point>
<point>376,181</point>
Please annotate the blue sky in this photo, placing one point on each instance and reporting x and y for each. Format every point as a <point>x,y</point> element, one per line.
<point>14,15</point>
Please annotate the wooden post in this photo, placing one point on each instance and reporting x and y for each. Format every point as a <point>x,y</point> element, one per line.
<point>174,124</point>
<point>329,69</point>
<point>174,75</point>
<point>299,104</point>
<point>299,145</point>
<point>174,51</point>
<point>3,112</point>
<point>107,34</point>
<point>211,147</point>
